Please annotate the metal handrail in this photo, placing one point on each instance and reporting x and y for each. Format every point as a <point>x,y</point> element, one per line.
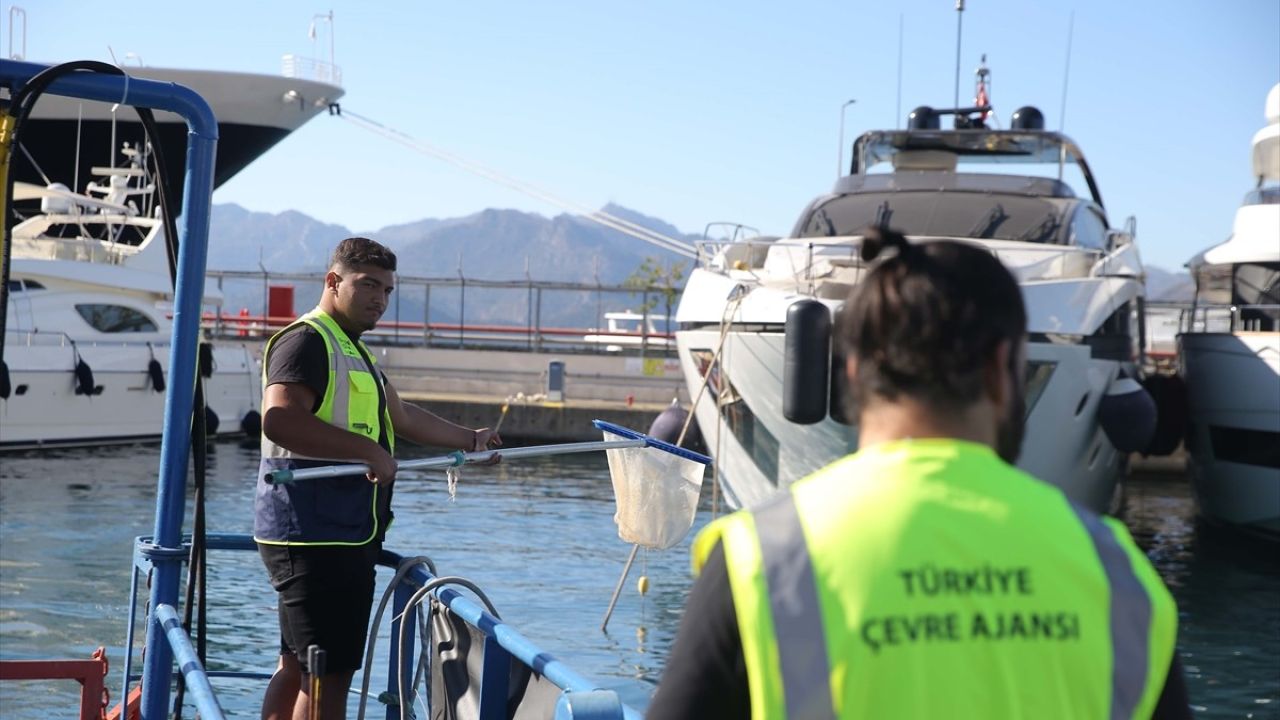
<point>193,672</point>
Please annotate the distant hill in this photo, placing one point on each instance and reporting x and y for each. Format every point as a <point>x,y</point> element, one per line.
<point>489,245</point>
<point>1166,286</point>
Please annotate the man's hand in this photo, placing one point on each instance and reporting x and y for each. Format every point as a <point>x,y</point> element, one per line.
<point>487,439</point>
<point>382,467</point>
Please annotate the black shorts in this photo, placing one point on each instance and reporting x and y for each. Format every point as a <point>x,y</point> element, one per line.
<point>325,595</point>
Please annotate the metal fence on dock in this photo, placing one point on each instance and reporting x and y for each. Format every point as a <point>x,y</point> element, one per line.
<point>461,312</point>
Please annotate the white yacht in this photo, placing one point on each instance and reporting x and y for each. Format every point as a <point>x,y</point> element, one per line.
<point>89,321</point>
<point>1230,355</point>
<point>254,112</point>
<point>1082,281</point>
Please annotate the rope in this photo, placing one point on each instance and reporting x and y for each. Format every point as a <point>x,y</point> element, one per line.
<point>607,219</point>
<point>726,318</point>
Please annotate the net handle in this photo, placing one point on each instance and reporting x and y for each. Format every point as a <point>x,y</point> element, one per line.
<point>650,441</point>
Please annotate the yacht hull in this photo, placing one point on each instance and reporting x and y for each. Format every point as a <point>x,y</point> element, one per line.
<point>1233,440</point>
<point>45,409</point>
<point>758,451</point>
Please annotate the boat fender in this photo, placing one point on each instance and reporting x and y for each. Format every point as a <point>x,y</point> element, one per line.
<point>156,373</point>
<point>6,385</point>
<point>84,380</point>
<point>842,409</point>
<point>210,421</point>
<point>1172,413</point>
<point>667,426</point>
<point>1127,414</point>
<point>806,362</point>
<point>206,359</point>
<point>251,424</point>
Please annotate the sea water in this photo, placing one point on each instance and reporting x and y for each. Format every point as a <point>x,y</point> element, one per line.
<point>538,536</point>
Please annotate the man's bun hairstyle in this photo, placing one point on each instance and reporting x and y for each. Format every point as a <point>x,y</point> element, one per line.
<point>925,318</point>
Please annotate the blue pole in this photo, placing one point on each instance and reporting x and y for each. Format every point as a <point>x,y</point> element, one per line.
<point>202,141</point>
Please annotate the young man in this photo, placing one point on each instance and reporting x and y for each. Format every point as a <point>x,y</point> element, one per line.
<point>924,576</point>
<point>324,402</point>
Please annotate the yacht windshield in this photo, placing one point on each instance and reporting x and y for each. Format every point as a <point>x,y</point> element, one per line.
<point>987,216</point>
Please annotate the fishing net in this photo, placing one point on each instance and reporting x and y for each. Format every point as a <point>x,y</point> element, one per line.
<point>656,493</point>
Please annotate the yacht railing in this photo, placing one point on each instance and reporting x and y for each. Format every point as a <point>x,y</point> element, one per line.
<point>579,697</point>
<point>1230,318</point>
<point>305,68</point>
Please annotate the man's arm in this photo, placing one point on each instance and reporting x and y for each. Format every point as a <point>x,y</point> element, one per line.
<point>706,675</point>
<point>287,421</point>
<point>426,428</point>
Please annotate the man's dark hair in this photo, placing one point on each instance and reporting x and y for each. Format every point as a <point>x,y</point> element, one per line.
<point>926,318</point>
<point>362,251</point>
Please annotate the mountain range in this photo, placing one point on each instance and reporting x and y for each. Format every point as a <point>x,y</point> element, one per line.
<point>489,245</point>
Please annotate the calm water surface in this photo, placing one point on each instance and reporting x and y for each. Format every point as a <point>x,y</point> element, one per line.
<point>538,536</point>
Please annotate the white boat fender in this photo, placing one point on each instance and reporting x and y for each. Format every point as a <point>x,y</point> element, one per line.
<point>156,373</point>
<point>1127,414</point>
<point>806,362</point>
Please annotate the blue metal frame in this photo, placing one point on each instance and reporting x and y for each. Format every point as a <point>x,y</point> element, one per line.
<point>202,142</point>
<point>164,552</point>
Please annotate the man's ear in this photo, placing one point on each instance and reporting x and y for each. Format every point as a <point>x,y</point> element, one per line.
<point>331,280</point>
<point>995,374</point>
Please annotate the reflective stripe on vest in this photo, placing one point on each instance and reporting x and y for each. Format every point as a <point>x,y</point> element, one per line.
<point>793,600</point>
<point>1130,618</point>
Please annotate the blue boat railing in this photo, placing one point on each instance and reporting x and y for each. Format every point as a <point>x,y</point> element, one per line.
<point>579,698</point>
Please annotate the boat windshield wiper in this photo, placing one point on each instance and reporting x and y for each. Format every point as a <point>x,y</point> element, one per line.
<point>883,213</point>
<point>989,222</point>
<point>1041,230</point>
<point>820,220</point>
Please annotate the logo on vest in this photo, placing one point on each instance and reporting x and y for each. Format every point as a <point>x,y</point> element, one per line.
<point>362,427</point>
<point>928,583</point>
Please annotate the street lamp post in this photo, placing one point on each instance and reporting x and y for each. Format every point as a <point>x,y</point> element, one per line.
<point>840,155</point>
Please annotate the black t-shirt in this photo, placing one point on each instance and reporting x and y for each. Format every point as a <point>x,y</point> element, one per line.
<point>706,675</point>
<point>300,356</point>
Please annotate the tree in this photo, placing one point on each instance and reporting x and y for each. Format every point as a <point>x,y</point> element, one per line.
<point>661,282</point>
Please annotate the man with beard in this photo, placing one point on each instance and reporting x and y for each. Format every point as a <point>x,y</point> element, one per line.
<point>924,575</point>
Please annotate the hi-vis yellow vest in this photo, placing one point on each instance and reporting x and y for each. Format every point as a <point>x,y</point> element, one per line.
<point>327,511</point>
<point>928,578</point>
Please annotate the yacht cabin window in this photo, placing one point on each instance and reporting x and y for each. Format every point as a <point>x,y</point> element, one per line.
<point>115,318</point>
<point>21,285</point>
<point>1088,229</point>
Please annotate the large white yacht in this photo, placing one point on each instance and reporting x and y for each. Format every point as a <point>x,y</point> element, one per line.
<point>1082,281</point>
<point>89,322</point>
<point>1230,355</point>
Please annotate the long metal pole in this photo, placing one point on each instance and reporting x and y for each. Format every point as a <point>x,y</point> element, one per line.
<point>959,24</point>
<point>840,154</point>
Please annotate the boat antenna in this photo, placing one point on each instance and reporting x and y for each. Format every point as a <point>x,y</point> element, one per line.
<point>959,27</point>
<point>1066,72</point>
<point>897,117</point>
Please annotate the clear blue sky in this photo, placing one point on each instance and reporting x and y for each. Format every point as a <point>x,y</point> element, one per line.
<point>697,112</point>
